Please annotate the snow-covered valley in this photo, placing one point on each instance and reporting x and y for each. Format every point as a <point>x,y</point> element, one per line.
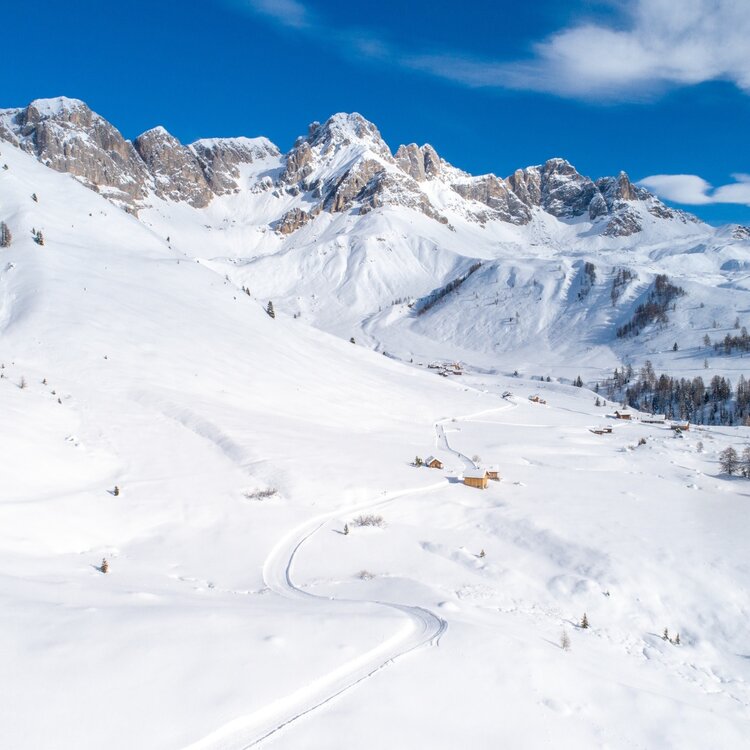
<point>242,603</point>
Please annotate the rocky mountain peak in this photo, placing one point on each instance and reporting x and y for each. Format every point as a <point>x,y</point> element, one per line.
<point>175,169</point>
<point>420,163</point>
<point>69,137</point>
<point>346,129</point>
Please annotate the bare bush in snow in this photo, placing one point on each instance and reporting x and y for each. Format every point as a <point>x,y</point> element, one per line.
<point>369,520</point>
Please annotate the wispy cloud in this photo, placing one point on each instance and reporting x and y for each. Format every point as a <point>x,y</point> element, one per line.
<point>691,190</point>
<point>286,12</point>
<point>649,46</point>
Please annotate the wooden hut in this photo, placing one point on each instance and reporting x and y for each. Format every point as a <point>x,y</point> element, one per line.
<point>537,399</point>
<point>680,426</point>
<point>493,473</point>
<point>622,414</point>
<point>433,463</point>
<point>654,419</point>
<point>476,478</point>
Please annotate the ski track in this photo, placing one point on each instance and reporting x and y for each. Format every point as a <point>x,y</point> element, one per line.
<point>422,628</point>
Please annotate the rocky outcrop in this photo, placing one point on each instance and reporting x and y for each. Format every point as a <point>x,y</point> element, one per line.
<point>420,163</point>
<point>176,173</point>
<point>295,218</point>
<point>555,186</point>
<point>496,195</point>
<point>67,136</point>
<point>221,159</point>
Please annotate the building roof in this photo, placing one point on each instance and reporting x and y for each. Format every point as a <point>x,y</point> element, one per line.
<point>430,459</point>
<point>475,474</point>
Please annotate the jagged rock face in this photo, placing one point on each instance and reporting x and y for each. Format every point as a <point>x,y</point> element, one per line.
<point>67,136</point>
<point>341,165</point>
<point>495,194</point>
<point>298,164</point>
<point>741,232</point>
<point>220,159</point>
<point>295,218</point>
<point>395,189</point>
<point>565,193</point>
<point>175,169</point>
<point>527,185</point>
<point>419,163</point>
<point>557,188</point>
<point>343,130</point>
<point>348,189</point>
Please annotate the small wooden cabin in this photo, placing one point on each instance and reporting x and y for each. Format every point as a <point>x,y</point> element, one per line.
<point>476,478</point>
<point>601,430</point>
<point>654,419</point>
<point>493,474</point>
<point>537,399</point>
<point>681,426</point>
<point>433,463</point>
<point>622,414</point>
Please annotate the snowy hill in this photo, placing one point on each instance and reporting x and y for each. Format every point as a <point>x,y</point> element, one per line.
<point>279,573</point>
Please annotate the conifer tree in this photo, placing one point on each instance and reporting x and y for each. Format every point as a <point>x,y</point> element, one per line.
<point>565,641</point>
<point>5,236</point>
<point>104,566</point>
<point>270,310</point>
<point>584,621</point>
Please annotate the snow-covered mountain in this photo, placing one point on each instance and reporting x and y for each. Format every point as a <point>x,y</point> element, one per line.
<point>354,238</point>
<point>279,573</point>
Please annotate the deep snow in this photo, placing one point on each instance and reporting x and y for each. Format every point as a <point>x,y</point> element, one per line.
<point>224,617</point>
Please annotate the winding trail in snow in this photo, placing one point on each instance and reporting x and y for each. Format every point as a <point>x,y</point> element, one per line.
<point>421,627</point>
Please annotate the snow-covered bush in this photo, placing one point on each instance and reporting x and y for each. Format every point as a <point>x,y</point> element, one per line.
<point>369,520</point>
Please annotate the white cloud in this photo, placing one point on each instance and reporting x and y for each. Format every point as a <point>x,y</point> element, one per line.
<point>286,12</point>
<point>651,45</point>
<point>691,190</point>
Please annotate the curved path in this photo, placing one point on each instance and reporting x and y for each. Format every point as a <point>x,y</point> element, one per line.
<point>421,627</point>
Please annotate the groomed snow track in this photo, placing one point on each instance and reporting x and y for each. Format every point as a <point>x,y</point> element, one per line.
<point>421,628</point>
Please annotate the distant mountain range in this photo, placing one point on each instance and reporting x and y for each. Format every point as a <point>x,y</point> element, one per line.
<point>544,265</point>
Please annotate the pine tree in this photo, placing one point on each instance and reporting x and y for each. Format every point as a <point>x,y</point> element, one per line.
<point>675,347</point>
<point>745,468</point>
<point>116,491</point>
<point>728,460</point>
<point>346,529</point>
<point>34,198</point>
<point>482,553</point>
<point>270,310</point>
<point>39,237</point>
<point>104,566</point>
<point>677,640</point>
<point>352,341</point>
<point>565,641</point>
<point>5,236</point>
<point>665,636</point>
<point>418,461</point>
<point>584,621</point>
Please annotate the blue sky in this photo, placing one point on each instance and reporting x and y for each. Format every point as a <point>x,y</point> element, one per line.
<point>657,88</point>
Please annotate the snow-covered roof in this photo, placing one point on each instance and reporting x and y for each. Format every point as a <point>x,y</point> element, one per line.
<point>430,459</point>
<point>475,474</point>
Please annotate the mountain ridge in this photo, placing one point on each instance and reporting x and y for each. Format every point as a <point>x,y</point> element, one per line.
<point>66,135</point>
